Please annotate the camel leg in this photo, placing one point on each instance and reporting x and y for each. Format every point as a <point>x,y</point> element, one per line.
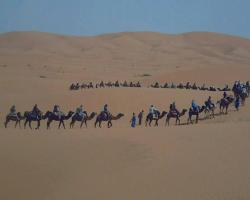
<point>71,125</point>
<point>197,118</point>
<point>100,124</point>
<point>6,123</point>
<point>16,123</point>
<point>95,123</point>
<point>38,125</point>
<point>48,124</point>
<point>177,121</point>
<point>59,125</point>
<point>109,124</point>
<point>63,124</point>
<point>86,125</point>
<point>30,124</point>
<point>19,122</point>
<point>81,123</point>
<point>25,123</point>
<point>189,120</point>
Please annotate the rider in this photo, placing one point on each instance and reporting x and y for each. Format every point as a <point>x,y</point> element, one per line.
<point>35,111</point>
<point>56,111</point>
<point>173,109</point>
<point>13,111</point>
<point>105,110</point>
<point>209,104</point>
<point>138,84</point>
<point>125,84</point>
<point>153,110</point>
<point>194,86</point>
<point>80,111</point>
<point>117,84</point>
<point>194,106</point>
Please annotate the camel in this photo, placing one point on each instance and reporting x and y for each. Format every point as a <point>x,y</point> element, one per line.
<point>29,117</point>
<point>82,119</point>
<point>196,113</point>
<point>156,85</point>
<point>165,85</point>
<point>74,87</point>
<point>188,86</point>
<point>194,87</point>
<point>52,117</point>
<point>102,117</point>
<point>150,118</point>
<point>176,116</point>
<point>100,85</point>
<point>180,86</point>
<point>209,111</point>
<point>224,103</point>
<point>16,119</point>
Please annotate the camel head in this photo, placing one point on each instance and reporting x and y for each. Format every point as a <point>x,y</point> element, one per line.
<point>163,114</point>
<point>218,102</point>
<point>120,115</point>
<point>20,116</point>
<point>70,113</point>
<point>183,112</point>
<point>202,108</point>
<point>92,115</point>
<point>46,115</point>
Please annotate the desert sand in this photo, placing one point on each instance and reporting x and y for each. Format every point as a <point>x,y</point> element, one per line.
<point>205,161</point>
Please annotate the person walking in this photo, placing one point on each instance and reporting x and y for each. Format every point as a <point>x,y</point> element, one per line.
<point>140,116</point>
<point>133,121</point>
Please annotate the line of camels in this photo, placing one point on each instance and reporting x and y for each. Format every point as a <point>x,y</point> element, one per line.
<point>50,116</point>
<point>190,86</point>
<point>116,84</point>
<point>109,84</point>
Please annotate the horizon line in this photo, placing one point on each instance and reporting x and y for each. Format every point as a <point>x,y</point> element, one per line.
<point>121,32</point>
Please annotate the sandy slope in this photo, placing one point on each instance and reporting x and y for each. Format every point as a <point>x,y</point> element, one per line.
<point>205,161</point>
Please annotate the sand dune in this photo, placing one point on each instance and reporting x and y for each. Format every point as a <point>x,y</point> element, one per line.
<point>204,161</point>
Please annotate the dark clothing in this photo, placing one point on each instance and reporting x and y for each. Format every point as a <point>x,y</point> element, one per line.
<point>140,116</point>
<point>35,110</point>
<point>172,109</point>
<point>237,103</point>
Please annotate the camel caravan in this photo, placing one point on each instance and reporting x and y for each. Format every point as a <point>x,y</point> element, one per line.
<point>90,85</point>
<point>117,84</point>
<point>240,93</point>
<point>189,86</point>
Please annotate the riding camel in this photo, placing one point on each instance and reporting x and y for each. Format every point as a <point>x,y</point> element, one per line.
<point>52,117</point>
<point>29,117</point>
<point>224,103</point>
<point>154,117</point>
<point>175,116</point>
<point>196,113</point>
<point>82,119</point>
<point>103,117</point>
<point>16,118</point>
